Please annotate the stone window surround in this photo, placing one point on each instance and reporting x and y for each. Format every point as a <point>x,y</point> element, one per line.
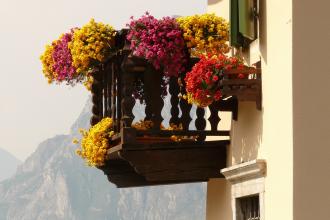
<point>247,179</point>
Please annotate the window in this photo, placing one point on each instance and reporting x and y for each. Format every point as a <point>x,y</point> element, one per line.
<point>248,208</point>
<point>247,189</point>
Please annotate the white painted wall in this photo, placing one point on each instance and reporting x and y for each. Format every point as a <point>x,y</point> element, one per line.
<point>267,134</point>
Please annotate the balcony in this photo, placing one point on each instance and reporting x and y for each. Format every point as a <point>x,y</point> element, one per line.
<point>151,156</point>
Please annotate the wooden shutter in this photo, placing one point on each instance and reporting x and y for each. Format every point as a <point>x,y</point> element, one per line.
<point>235,38</point>
<point>242,22</point>
<point>246,19</point>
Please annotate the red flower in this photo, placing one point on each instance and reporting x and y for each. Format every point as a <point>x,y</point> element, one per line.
<point>217,95</point>
<point>202,81</point>
<point>241,76</point>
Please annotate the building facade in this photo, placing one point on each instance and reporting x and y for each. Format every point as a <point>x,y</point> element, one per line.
<point>278,164</point>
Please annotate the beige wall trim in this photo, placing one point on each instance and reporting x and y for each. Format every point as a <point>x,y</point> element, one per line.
<point>247,179</point>
<point>245,171</point>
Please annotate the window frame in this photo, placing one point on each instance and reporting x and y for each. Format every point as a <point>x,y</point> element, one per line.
<point>247,179</point>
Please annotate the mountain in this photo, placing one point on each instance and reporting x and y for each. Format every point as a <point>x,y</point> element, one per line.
<point>55,184</point>
<point>8,165</point>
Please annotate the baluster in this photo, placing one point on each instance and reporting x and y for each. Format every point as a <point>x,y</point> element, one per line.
<point>200,122</point>
<point>118,93</point>
<point>109,86</point>
<point>120,41</point>
<point>185,118</point>
<point>105,90</point>
<point>154,101</point>
<point>174,91</point>
<point>127,102</point>
<point>147,76</point>
<point>214,117</point>
<point>113,95</point>
<point>147,91</point>
<point>97,98</point>
<point>148,110</point>
<point>157,100</point>
<point>185,107</point>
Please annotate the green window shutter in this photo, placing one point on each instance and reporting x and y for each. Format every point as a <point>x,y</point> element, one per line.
<point>235,39</point>
<point>246,19</point>
<point>242,22</point>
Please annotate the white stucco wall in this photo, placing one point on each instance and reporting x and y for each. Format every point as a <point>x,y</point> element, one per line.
<point>267,134</point>
<point>277,141</point>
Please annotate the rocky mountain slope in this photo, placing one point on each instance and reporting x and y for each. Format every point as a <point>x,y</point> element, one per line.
<point>9,164</point>
<point>54,183</point>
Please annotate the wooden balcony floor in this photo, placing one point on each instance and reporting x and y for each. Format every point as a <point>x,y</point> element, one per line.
<point>142,164</point>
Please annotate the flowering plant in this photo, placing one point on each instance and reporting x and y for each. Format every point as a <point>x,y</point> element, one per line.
<point>202,82</point>
<point>143,125</point>
<point>159,41</point>
<point>91,44</point>
<point>47,63</point>
<point>75,55</point>
<point>95,142</point>
<point>205,33</point>
<point>57,61</point>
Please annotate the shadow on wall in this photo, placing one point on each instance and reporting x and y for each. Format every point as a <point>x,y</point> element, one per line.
<point>212,2</point>
<point>246,134</point>
<point>247,130</point>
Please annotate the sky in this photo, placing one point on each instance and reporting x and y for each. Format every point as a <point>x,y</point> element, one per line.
<point>30,109</point>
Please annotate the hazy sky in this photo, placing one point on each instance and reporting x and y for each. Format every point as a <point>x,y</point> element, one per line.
<point>30,109</point>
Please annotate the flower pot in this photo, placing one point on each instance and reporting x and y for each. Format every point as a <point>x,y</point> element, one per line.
<point>242,85</point>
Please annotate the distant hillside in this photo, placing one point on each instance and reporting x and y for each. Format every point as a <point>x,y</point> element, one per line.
<point>8,164</point>
<point>54,184</point>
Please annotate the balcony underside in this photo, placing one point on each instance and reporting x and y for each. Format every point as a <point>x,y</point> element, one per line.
<point>142,164</point>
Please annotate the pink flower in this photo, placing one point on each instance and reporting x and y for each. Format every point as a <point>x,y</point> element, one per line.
<point>63,59</point>
<point>160,41</point>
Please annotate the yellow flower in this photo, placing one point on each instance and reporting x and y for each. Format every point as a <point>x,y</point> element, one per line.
<point>75,141</point>
<point>199,102</point>
<point>95,142</point>
<point>205,33</point>
<point>91,44</point>
<point>147,124</point>
<point>143,125</point>
<point>47,63</point>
